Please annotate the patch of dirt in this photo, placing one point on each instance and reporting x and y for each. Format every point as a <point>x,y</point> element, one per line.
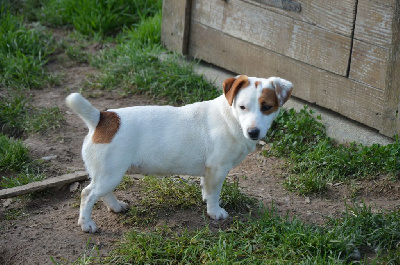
<point>45,226</point>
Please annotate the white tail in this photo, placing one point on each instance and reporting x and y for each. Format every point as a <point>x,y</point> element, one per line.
<point>89,114</point>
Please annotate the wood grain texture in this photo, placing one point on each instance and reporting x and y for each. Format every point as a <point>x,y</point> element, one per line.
<point>391,115</point>
<point>374,22</point>
<point>44,184</point>
<point>284,35</point>
<point>369,64</point>
<point>349,98</point>
<point>335,16</point>
<point>176,24</point>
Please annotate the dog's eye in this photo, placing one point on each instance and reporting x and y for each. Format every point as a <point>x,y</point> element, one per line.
<point>242,107</point>
<point>266,108</point>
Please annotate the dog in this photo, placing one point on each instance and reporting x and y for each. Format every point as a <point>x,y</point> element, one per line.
<point>205,139</point>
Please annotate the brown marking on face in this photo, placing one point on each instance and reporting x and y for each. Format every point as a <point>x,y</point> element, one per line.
<point>257,83</point>
<point>107,127</point>
<point>231,87</point>
<point>268,98</point>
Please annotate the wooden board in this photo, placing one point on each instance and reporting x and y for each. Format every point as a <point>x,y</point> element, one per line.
<point>369,64</point>
<point>175,25</point>
<point>374,22</point>
<point>335,16</point>
<point>44,184</point>
<point>292,38</point>
<point>391,117</point>
<point>349,98</point>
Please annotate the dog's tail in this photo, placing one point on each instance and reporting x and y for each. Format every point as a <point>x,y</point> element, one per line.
<point>89,114</point>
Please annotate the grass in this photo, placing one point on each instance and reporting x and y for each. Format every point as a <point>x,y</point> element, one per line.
<point>316,160</point>
<point>139,65</point>
<point>18,117</point>
<point>96,18</point>
<point>270,239</point>
<point>14,156</point>
<point>164,196</point>
<point>23,52</point>
<point>15,159</point>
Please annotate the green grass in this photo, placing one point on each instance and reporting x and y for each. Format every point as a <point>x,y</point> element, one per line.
<point>18,117</point>
<point>23,53</point>
<point>164,196</point>
<point>14,156</point>
<point>16,162</point>
<point>144,71</point>
<point>316,160</point>
<point>269,240</point>
<point>96,18</point>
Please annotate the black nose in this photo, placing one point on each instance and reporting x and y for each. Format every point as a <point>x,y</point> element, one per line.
<point>253,133</point>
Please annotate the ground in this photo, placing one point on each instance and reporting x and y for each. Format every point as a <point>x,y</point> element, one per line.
<point>45,226</point>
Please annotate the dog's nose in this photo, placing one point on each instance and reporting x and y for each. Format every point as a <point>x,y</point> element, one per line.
<point>254,133</point>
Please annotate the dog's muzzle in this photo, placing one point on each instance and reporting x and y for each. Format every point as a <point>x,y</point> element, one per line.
<point>253,133</point>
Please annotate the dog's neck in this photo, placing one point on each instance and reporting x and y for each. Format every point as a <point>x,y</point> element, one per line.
<point>234,127</point>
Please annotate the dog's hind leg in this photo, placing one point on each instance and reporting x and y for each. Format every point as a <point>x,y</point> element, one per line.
<point>100,186</point>
<point>212,185</point>
<point>114,205</point>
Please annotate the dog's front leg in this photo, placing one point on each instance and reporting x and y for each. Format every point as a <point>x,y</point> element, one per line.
<point>211,190</point>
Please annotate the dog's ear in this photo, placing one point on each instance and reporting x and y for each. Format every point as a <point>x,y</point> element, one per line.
<point>232,85</point>
<point>283,89</point>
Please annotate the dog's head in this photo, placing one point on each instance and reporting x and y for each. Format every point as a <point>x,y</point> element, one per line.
<point>256,101</point>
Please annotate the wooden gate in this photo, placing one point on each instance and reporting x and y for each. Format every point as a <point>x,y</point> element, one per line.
<point>340,54</point>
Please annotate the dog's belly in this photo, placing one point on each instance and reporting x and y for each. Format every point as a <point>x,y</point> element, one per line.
<point>155,170</point>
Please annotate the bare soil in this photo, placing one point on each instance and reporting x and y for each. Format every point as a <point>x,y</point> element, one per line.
<point>45,225</point>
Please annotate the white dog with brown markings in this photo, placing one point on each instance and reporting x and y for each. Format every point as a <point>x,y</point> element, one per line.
<point>204,139</point>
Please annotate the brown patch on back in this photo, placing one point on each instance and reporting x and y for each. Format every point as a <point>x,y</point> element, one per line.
<point>231,86</point>
<point>107,127</point>
<point>268,97</point>
<point>257,83</point>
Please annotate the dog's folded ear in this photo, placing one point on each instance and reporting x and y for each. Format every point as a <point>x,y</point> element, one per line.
<point>283,89</point>
<point>232,85</point>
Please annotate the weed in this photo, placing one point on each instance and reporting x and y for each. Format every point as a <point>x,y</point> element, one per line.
<point>316,160</point>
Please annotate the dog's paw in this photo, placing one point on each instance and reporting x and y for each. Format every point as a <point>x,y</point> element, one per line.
<point>118,208</point>
<point>88,226</point>
<point>218,214</point>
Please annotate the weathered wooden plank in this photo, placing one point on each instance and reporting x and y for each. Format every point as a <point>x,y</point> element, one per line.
<point>44,184</point>
<point>374,22</point>
<point>349,98</point>
<point>369,64</point>
<point>284,35</point>
<point>175,25</point>
<point>391,116</point>
<point>335,16</point>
